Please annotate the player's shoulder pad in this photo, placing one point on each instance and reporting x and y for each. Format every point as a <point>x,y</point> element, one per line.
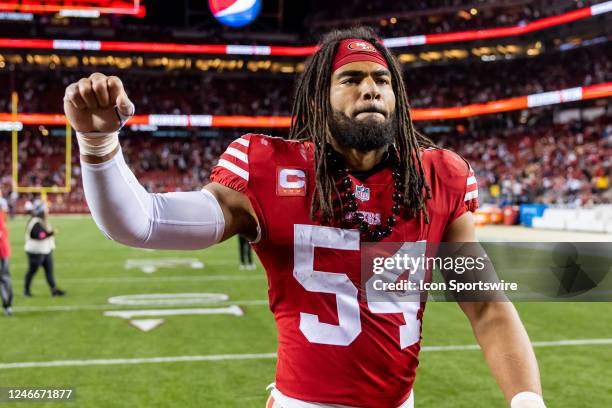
<point>263,148</point>
<point>447,166</point>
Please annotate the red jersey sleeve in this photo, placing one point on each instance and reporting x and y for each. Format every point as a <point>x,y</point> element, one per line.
<point>456,183</point>
<point>232,169</point>
<point>464,192</point>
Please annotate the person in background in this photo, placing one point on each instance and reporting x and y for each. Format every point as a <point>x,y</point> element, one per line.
<point>246,254</point>
<point>6,288</point>
<point>39,246</point>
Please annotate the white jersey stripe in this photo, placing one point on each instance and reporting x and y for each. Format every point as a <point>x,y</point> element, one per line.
<point>234,169</point>
<point>238,154</point>
<point>471,180</point>
<point>471,195</point>
<point>242,141</point>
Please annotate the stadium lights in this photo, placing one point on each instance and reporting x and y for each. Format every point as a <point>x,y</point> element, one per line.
<point>303,51</point>
<point>11,126</point>
<point>603,90</point>
<point>16,16</point>
<point>75,8</point>
<point>80,13</point>
<point>287,67</point>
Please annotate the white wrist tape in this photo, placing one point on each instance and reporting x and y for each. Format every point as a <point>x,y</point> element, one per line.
<point>97,143</point>
<point>527,399</point>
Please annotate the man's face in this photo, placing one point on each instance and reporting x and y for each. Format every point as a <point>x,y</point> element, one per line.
<point>363,103</point>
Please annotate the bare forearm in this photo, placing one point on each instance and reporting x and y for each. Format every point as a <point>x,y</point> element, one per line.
<point>507,349</point>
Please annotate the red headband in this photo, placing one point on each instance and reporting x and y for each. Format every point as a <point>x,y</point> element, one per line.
<point>354,49</point>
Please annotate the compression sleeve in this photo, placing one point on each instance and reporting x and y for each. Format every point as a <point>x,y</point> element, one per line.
<point>128,214</point>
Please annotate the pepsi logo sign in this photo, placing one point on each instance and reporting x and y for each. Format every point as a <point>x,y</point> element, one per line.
<point>235,13</point>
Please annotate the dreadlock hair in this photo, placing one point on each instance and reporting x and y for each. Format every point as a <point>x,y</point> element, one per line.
<point>312,112</point>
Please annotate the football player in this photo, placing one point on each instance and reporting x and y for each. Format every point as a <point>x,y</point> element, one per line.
<point>6,287</point>
<point>354,171</point>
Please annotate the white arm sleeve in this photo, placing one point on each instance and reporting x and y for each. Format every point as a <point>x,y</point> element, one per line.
<point>128,214</point>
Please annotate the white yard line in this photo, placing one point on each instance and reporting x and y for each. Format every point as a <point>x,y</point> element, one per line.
<point>81,308</point>
<point>145,279</point>
<point>130,314</point>
<point>261,356</point>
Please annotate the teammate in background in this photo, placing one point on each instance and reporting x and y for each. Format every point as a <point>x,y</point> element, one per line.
<point>6,289</point>
<point>356,171</point>
<point>246,254</point>
<point>39,246</point>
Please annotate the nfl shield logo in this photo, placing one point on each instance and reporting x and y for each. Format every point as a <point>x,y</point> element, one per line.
<point>362,193</point>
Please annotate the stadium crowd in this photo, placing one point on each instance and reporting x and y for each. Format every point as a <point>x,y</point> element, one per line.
<point>189,92</point>
<point>555,164</point>
<point>552,164</point>
<point>390,18</point>
<point>438,16</point>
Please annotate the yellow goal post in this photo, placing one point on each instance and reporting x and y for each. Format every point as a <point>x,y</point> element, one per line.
<point>42,190</point>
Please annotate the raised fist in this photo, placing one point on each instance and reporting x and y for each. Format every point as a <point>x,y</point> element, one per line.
<point>97,104</point>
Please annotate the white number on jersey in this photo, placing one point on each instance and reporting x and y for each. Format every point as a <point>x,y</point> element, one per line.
<point>306,239</point>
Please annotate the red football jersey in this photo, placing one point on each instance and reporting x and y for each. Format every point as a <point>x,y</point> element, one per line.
<point>334,347</point>
<point>5,243</point>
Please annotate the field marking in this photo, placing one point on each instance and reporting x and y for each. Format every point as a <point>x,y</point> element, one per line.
<point>169,299</point>
<point>146,279</point>
<point>261,356</point>
<point>80,308</point>
<point>146,325</point>
<point>151,265</point>
<point>555,343</point>
<point>128,314</point>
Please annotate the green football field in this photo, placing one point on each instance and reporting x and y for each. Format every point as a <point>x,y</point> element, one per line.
<point>222,355</point>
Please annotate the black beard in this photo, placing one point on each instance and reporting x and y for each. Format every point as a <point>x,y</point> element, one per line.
<point>363,135</point>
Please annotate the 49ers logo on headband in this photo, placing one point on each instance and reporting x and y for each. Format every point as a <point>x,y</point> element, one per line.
<point>355,49</point>
<point>361,46</point>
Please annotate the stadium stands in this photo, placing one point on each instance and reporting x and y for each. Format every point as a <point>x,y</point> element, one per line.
<point>520,157</point>
<point>189,92</point>
<point>427,17</point>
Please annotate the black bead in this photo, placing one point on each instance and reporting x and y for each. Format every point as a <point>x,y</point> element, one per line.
<point>347,182</point>
<point>342,172</point>
<point>352,206</point>
<point>396,209</point>
<point>349,195</point>
<point>347,223</point>
<point>364,227</point>
<point>386,231</point>
<point>376,235</point>
<point>398,197</point>
<point>399,185</point>
<point>391,220</point>
<point>358,217</point>
<point>396,175</point>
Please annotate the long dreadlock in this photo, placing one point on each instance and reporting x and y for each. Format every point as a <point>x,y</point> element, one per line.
<point>311,117</point>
